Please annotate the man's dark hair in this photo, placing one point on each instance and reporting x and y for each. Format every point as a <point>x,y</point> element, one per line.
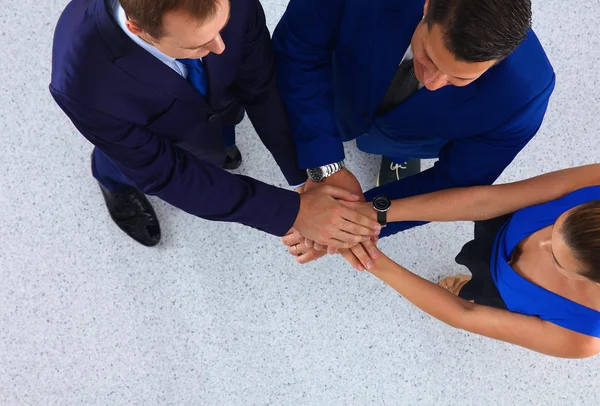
<point>148,14</point>
<point>481,30</point>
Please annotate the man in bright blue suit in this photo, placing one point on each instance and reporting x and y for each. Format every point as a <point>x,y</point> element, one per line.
<point>465,81</point>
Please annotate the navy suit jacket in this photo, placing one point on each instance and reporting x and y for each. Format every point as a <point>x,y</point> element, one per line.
<point>334,72</point>
<point>160,132</point>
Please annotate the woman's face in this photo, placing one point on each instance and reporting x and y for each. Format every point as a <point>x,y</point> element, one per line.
<point>560,253</point>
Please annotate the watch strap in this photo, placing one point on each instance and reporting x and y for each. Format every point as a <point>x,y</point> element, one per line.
<point>330,169</point>
<point>382,218</point>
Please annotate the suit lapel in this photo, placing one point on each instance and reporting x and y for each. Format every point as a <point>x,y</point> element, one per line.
<point>394,33</point>
<point>213,64</point>
<point>146,68</point>
<point>430,110</point>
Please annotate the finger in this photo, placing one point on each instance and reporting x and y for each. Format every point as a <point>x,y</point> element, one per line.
<point>339,193</point>
<point>292,239</point>
<point>298,249</point>
<point>319,247</point>
<point>344,240</point>
<point>371,249</point>
<point>309,256</point>
<point>332,250</point>
<point>360,253</point>
<point>352,260</point>
<point>362,222</point>
<point>309,243</point>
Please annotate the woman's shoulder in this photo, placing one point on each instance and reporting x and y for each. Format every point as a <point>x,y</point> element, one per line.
<point>555,208</point>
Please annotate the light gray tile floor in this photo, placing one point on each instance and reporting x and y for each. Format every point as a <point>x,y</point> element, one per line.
<point>219,314</point>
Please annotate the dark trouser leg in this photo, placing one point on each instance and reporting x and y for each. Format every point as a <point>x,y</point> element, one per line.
<point>233,158</point>
<point>106,173</point>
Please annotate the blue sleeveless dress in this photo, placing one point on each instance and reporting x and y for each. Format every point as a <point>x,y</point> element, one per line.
<point>522,296</point>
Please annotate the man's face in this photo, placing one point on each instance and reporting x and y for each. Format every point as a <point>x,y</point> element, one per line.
<point>184,37</point>
<point>436,66</point>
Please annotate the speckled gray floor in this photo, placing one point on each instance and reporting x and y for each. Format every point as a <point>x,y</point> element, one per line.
<point>219,314</point>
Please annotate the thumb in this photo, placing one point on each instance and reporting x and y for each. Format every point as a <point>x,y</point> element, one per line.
<point>342,194</point>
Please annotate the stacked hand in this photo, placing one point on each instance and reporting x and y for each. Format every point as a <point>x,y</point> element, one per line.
<point>334,218</point>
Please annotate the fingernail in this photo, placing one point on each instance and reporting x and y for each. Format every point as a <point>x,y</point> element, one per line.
<point>369,264</point>
<point>377,232</point>
<point>378,228</point>
<point>355,196</point>
<point>360,268</point>
<point>375,255</point>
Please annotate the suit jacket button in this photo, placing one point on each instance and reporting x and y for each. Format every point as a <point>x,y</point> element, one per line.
<point>366,134</point>
<point>212,118</point>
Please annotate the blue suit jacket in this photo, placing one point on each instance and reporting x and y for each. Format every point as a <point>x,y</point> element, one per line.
<point>334,72</point>
<point>160,132</point>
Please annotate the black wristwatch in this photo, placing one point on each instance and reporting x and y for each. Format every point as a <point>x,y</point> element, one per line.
<point>381,204</point>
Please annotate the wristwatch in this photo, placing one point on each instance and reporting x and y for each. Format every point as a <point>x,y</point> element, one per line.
<point>320,173</point>
<point>381,204</point>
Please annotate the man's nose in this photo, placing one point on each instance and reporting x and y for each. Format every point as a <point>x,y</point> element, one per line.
<point>435,80</point>
<point>217,46</point>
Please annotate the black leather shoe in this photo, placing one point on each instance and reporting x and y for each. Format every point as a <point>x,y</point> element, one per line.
<point>134,214</point>
<point>391,171</point>
<point>233,158</point>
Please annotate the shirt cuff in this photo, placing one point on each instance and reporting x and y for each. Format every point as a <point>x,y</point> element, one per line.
<point>300,185</point>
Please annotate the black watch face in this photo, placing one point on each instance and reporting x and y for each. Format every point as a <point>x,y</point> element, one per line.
<point>315,174</point>
<point>381,203</point>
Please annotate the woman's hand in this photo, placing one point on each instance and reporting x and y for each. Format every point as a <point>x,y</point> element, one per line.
<point>363,255</point>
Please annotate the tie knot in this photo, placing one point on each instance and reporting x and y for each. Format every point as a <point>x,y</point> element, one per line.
<point>191,63</point>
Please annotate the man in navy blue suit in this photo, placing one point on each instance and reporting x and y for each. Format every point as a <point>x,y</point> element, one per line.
<point>158,87</point>
<point>465,81</point>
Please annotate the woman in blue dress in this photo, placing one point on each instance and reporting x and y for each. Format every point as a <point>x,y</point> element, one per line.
<point>535,261</point>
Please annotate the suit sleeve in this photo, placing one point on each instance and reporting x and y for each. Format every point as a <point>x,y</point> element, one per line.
<point>471,161</point>
<point>304,40</point>
<point>159,168</point>
<point>257,89</point>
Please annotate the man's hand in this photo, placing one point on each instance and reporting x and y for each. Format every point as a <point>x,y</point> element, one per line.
<point>303,254</point>
<point>343,179</point>
<point>362,207</point>
<point>325,220</point>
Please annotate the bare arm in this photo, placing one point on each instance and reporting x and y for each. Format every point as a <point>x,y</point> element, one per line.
<point>525,331</point>
<point>485,202</point>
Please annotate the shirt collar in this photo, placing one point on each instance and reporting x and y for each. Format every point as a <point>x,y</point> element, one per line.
<point>121,19</point>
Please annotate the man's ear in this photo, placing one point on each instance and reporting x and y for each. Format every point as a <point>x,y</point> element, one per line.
<point>133,27</point>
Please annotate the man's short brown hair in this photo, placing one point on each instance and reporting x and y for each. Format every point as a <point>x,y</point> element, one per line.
<point>148,14</point>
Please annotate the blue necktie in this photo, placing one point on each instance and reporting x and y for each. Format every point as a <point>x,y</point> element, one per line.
<point>196,74</point>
